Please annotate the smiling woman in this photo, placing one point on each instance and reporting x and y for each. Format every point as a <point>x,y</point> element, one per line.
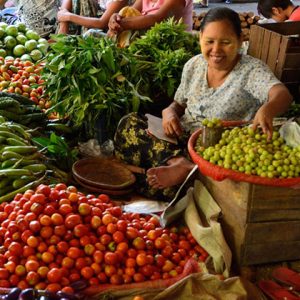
<point>219,83</point>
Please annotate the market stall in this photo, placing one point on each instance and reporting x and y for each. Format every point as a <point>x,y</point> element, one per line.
<point>70,225</point>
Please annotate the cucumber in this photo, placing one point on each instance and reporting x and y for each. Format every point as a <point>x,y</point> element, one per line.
<point>21,149</point>
<point>9,162</point>
<point>18,97</point>
<point>7,102</point>
<point>10,154</point>
<point>14,172</point>
<point>36,168</point>
<point>9,134</point>
<point>30,185</point>
<point>31,118</point>
<point>9,115</point>
<point>18,129</point>
<point>18,183</point>
<point>15,142</point>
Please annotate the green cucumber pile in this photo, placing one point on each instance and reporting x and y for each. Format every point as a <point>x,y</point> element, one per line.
<point>20,109</point>
<point>21,166</point>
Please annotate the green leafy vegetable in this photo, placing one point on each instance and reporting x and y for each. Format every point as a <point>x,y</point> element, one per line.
<point>58,148</point>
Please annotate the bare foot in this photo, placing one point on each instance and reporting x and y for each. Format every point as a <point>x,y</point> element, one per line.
<point>166,176</point>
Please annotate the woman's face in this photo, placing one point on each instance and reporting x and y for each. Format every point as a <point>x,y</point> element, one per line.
<point>220,45</point>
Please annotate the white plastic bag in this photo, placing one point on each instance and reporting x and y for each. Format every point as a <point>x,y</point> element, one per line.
<point>290,132</point>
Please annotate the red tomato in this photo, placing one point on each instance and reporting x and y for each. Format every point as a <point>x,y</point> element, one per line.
<point>110,258</point>
<point>54,275</point>
<point>72,220</point>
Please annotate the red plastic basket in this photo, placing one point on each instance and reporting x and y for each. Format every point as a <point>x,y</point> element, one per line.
<point>218,173</point>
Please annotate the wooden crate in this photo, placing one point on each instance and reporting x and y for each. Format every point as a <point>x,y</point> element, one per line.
<point>278,45</point>
<point>261,223</point>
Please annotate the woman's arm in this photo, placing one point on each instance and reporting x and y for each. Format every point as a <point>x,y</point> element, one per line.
<point>171,119</point>
<point>66,5</point>
<point>89,22</point>
<point>279,100</point>
<point>145,22</point>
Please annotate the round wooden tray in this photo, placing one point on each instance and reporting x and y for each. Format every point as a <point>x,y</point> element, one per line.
<point>101,190</point>
<point>103,174</point>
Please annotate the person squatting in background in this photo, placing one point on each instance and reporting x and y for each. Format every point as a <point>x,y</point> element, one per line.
<point>279,10</point>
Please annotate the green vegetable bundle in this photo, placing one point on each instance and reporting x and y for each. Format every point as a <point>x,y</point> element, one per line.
<point>166,47</point>
<point>90,77</point>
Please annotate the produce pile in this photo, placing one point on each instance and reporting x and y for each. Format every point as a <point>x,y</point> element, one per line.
<point>90,78</point>
<point>55,237</point>
<point>23,78</point>
<point>15,107</point>
<point>250,152</point>
<point>22,166</point>
<point>247,19</point>
<point>18,41</point>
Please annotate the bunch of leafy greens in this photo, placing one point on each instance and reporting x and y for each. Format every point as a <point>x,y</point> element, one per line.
<point>89,77</point>
<point>58,149</point>
<point>166,47</point>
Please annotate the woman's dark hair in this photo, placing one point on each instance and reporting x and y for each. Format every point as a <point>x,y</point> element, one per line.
<point>221,14</point>
<point>264,7</point>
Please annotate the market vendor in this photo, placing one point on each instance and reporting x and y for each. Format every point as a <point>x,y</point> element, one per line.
<point>152,11</point>
<point>219,83</point>
<point>76,15</point>
<point>38,15</point>
<point>279,10</point>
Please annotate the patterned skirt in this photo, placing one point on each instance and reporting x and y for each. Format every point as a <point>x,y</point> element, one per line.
<point>135,146</point>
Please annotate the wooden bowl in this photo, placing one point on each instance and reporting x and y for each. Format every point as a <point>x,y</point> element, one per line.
<point>103,174</point>
<point>95,189</point>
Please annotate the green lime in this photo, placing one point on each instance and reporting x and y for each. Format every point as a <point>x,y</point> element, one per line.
<point>11,30</point>
<point>32,35</point>
<point>3,25</point>
<point>42,41</point>
<point>25,57</point>
<point>19,50</point>
<point>10,42</point>
<point>21,27</point>
<point>36,54</point>
<point>31,45</point>
<point>21,38</point>
<point>2,32</point>
<point>43,48</point>
<point>3,53</point>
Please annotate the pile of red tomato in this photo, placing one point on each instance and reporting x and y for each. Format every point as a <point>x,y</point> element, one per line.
<point>22,77</point>
<point>55,236</point>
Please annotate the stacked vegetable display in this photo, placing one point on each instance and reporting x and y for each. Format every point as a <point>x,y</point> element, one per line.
<point>91,78</point>
<point>250,152</point>
<point>23,78</point>
<point>18,41</point>
<point>53,237</point>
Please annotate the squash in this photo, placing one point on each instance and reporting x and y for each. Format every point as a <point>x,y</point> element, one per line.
<point>123,38</point>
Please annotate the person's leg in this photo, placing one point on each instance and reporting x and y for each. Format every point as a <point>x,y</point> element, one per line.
<point>173,174</point>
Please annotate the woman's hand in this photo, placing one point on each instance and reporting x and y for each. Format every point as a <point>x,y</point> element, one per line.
<point>171,123</point>
<point>264,119</point>
<point>114,23</point>
<point>279,101</point>
<point>63,15</point>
